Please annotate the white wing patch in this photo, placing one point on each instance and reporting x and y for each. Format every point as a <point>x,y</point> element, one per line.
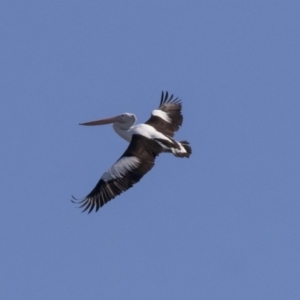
<point>123,165</point>
<point>161,114</point>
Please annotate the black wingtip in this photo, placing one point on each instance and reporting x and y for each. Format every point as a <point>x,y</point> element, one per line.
<point>77,201</point>
<point>162,97</point>
<point>85,205</point>
<point>166,99</point>
<point>74,200</point>
<point>81,203</point>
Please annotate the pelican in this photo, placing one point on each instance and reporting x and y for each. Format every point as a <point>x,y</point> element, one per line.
<point>146,141</point>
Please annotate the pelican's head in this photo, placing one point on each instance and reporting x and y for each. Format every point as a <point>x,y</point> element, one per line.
<point>127,118</point>
<point>124,121</point>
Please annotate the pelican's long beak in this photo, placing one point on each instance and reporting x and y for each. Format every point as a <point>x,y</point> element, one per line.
<point>103,121</point>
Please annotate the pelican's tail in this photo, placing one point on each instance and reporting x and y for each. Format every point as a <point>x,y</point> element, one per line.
<point>179,149</point>
<point>184,151</point>
<point>187,148</point>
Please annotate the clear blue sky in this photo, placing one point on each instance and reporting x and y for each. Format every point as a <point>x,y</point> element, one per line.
<point>223,224</point>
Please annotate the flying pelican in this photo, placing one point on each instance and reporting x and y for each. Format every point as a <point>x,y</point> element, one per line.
<point>147,141</point>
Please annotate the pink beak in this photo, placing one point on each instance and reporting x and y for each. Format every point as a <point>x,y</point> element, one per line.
<point>103,121</point>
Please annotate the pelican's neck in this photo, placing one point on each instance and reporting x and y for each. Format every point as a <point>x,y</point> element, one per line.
<point>124,133</point>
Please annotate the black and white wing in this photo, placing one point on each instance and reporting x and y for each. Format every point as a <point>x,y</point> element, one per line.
<point>136,161</point>
<point>167,119</point>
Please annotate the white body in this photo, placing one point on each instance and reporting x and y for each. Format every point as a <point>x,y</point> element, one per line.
<point>148,132</point>
<point>141,129</point>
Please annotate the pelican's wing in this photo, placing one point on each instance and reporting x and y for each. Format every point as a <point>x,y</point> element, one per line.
<point>136,161</point>
<point>167,118</point>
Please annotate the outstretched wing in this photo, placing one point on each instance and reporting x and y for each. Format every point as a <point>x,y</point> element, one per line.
<point>167,119</point>
<point>136,161</point>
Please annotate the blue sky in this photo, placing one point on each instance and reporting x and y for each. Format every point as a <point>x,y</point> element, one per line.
<point>223,224</point>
